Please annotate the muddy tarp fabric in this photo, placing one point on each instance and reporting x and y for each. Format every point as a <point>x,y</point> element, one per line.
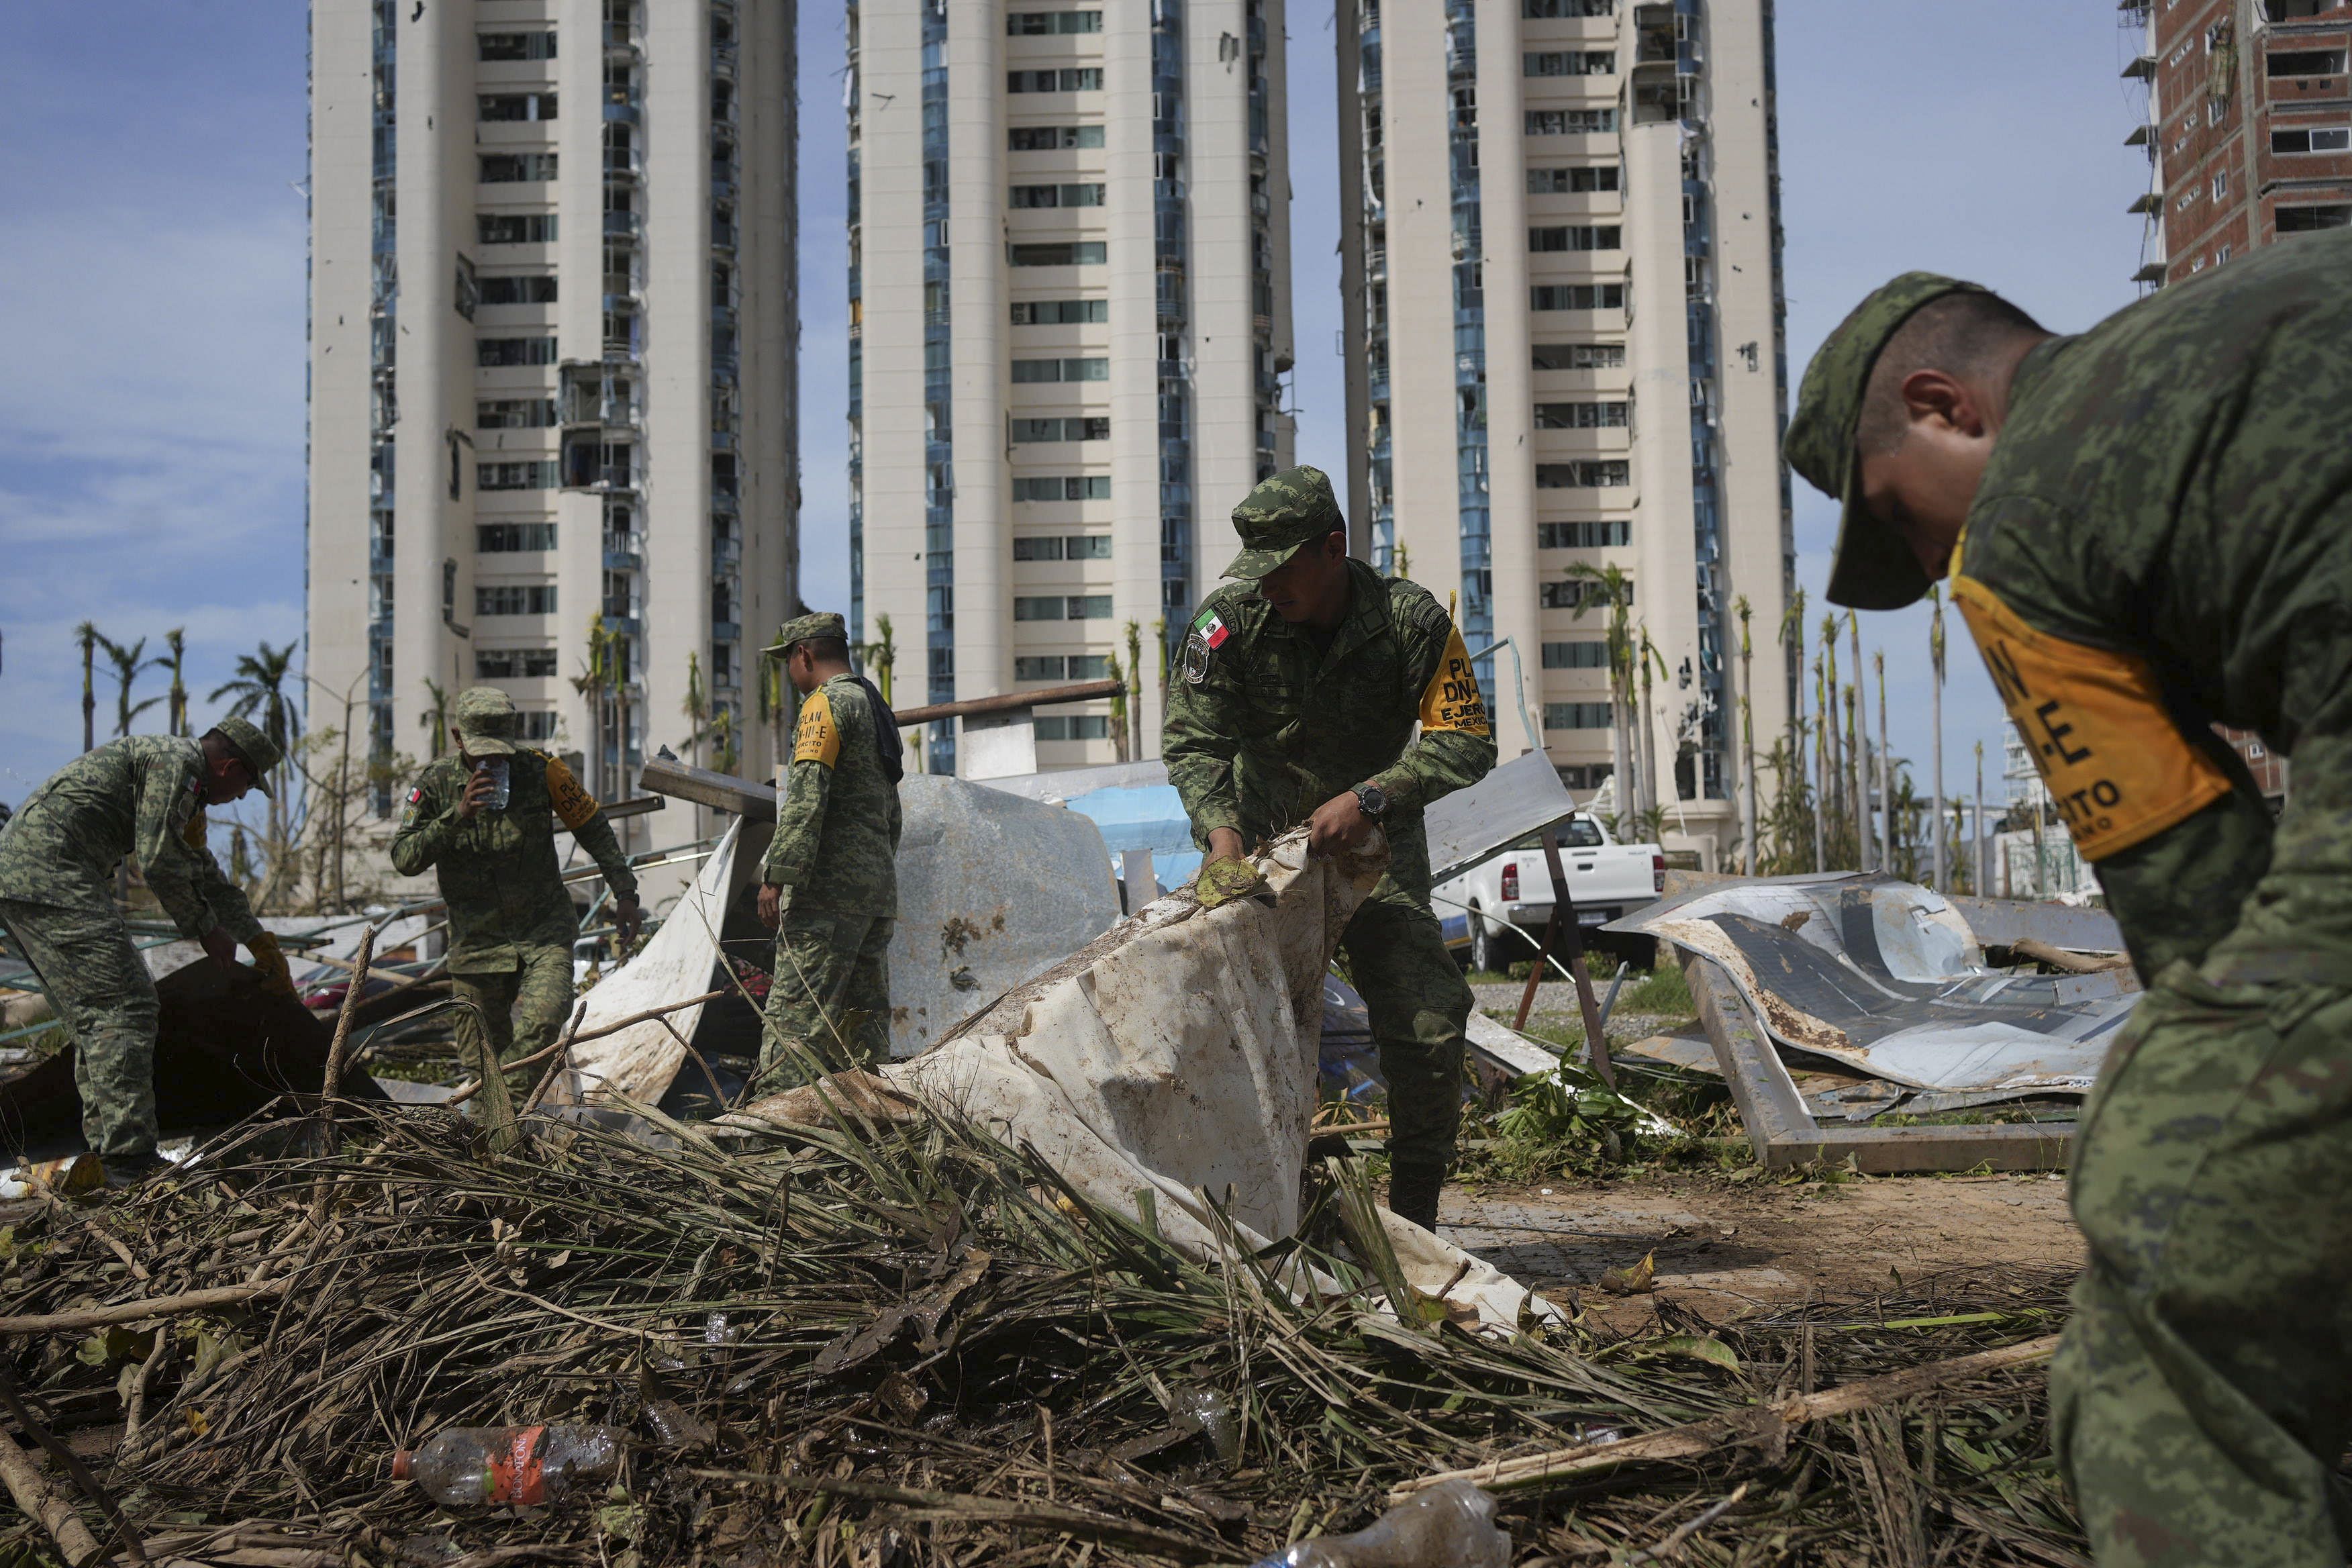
<point>1176,1054</point>
<point>1886,978</point>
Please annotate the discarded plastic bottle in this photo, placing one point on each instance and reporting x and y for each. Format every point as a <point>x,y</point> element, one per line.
<point>469,1466</point>
<point>1448,1526</point>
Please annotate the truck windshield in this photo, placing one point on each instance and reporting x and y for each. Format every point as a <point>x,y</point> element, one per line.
<point>1580,834</point>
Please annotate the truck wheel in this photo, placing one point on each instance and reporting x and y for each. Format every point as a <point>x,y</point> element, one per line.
<point>1481,945</point>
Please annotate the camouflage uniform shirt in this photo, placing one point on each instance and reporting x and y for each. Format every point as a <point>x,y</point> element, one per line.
<point>2163,539</point>
<point>1266,723</point>
<point>499,871</point>
<point>142,797</point>
<point>837,820</point>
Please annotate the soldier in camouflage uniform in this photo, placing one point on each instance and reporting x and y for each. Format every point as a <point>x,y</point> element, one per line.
<point>142,796</point>
<point>2149,530</point>
<point>830,884</point>
<point>511,924</point>
<point>1300,689</point>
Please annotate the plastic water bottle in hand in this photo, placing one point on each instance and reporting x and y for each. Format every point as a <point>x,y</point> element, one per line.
<point>472,1466</point>
<point>1448,1526</point>
<point>501,782</point>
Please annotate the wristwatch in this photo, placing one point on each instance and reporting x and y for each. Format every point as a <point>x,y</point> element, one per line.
<point>1372,801</point>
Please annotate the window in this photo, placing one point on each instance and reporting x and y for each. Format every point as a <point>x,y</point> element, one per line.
<point>1073,727</point>
<point>514,413</point>
<point>1605,473</point>
<point>1583,535</point>
<point>1059,312</point>
<point>1569,122</point>
<point>511,168</point>
<point>1568,181</point>
<point>538,724</point>
<point>1038,23</point>
<point>1090,487</point>
<point>2220,184</point>
<point>1038,667</point>
<point>2305,62</point>
<point>1580,416</point>
<point>1084,253</point>
<point>518,106</point>
<point>514,663</point>
<point>1574,236</point>
<point>1052,138</point>
<point>514,228</point>
<point>1057,195</point>
<point>1577,297</point>
<point>516,599</point>
<point>2312,138</point>
<point>1027,371</point>
<point>509,538</point>
<point>517,45</point>
<point>1069,79</point>
<point>517,289</point>
<point>526,476</point>
<point>1589,653</point>
<point>1576,715</point>
<point>492,351</point>
<point>1580,356</point>
<point>1547,10</point>
<point>1063,547</point>
<point>1570,62</point>
<point>2221,256</point>
<point>1090,428</point>
<point>2308,220</point>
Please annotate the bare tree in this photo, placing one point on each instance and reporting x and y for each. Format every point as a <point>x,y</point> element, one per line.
<point>86,635</point>
<point>1935,721</point>
<point>176,640</point>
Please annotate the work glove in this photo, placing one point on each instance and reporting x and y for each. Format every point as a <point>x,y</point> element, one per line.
<point>269,962</point>
<point>1223,881</point>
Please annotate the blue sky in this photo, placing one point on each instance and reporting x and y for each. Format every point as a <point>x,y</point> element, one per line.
<point>151,292</point>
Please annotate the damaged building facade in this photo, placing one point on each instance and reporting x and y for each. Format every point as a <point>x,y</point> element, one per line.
<point>1597,180</point>
<point>552,363</point>
<point>1069,307</point>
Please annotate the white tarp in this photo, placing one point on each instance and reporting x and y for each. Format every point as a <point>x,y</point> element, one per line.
<point>679,960</point>
<point>1178,1052</point>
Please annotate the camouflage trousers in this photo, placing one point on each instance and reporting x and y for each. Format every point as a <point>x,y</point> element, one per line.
<point>1417,1002</point>
<point>104,997</point>
<point>522,1009</point>
<point>829,1001</point>
<point>2203,1397</point>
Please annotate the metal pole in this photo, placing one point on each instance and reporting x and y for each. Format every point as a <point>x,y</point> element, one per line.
<point>1563,904</point>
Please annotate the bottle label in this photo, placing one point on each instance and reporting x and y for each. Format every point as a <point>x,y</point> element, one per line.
<point>515,1475</point>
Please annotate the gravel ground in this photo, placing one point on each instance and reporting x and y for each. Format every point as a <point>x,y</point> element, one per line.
<point>1556,1008</point>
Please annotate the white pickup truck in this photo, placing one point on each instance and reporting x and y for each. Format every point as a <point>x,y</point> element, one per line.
<point>1606,878</point>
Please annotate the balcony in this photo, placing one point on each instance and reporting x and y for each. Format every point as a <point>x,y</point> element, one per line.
<point>2142,68</point>
<point>624,226</point>
<point>2148,202</point>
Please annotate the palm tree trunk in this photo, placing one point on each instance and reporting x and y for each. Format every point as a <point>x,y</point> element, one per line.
<point>1936,724</point>
<point>1749,813</point>
<point>1885,768</point>
<point>1821,770</point>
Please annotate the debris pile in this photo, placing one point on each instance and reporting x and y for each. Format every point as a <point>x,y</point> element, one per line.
<point>917,1345</point>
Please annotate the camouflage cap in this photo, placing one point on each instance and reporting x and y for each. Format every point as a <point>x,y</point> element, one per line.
<point>1872,568</point>
<point>256,749</point>
<point>487,722</point>
<point>1295,507</point>
<point>817,624</point>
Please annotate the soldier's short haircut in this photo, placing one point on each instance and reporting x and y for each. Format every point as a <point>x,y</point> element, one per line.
<point>1963,334</point>
<point>827,650</point>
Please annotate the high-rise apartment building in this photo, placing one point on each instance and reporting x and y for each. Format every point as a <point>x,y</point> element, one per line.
<point>553,326</point>
<point>2249,126</point>
<point>1069,308</point>
<point>1566,357</point>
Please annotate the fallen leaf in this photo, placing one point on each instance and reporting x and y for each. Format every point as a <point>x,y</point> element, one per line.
<point>1697,1347</point>
<point>1633,1281</point>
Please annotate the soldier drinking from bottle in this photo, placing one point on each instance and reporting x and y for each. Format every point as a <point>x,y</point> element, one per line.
<point>486,818</point>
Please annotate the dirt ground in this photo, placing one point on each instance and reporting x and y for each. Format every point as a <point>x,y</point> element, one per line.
<point>1726,1249</point>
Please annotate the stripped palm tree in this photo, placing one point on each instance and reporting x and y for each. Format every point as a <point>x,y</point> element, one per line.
<point>1936,722</point>
<point>260,689</point>
<point>87,635</point>
<point>1748,809</point>
<point>130,664</point>
<point>1792,641</point>
<point>436,718</point>
<point>176,640</point>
